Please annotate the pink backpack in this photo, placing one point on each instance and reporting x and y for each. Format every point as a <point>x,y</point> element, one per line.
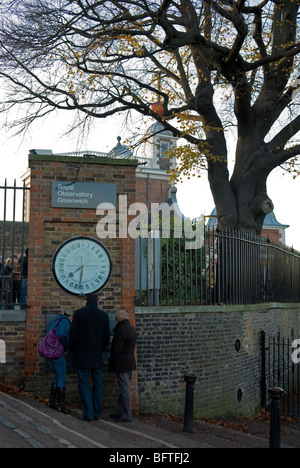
<point>51,347</point>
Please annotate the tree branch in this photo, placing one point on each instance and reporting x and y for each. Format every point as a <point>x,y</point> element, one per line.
<point>282,138</point>
<point>287,52</point>
<point>283,156</point>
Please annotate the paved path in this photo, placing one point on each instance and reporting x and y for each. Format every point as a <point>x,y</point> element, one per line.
<point>26,423</point>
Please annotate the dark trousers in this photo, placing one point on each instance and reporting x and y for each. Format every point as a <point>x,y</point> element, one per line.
<point>92,402</point>
<point>124,400</point>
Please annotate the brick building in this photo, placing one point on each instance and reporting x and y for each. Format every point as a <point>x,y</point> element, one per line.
<point>152,180</point>
<point>274,230</point>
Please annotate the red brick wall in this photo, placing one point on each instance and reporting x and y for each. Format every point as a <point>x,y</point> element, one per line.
<point>273,234</point>
<point>153,190</point>
<point>49,227</point>
<point>12,332</point>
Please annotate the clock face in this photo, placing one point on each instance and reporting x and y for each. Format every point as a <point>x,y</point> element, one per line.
<point>81,265</point>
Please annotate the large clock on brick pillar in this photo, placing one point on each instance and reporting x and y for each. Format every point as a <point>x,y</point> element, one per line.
<point>82,265</point>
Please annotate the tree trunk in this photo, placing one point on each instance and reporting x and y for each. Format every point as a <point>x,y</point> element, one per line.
<point>242,202</point>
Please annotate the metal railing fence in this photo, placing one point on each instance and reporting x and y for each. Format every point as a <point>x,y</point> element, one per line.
<point>278,370</point>
<point>13,245</point>
<point>230,267</point>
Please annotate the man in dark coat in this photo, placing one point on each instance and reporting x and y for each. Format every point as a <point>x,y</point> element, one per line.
<point>89,337</point>
<point>122,362</point>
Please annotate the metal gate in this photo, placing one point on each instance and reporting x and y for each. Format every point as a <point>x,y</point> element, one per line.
<point>279,369</point>
<point>14,227</point>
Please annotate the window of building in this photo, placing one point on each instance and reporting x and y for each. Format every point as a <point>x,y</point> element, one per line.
<point>164,148</point>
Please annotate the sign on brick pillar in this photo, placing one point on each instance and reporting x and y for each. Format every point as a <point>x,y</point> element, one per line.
<point>54,222</point>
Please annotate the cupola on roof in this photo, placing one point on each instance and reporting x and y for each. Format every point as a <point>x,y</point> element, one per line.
<point>271,221</point>
<point>159,129</point>
<point>120,151</point>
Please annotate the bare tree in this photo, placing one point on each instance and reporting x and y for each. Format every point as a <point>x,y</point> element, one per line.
<point>205,64</point>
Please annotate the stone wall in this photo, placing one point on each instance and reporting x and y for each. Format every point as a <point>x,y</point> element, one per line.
<point>201,340</point>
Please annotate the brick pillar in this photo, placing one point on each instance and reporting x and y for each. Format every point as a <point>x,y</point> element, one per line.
<point>49,227</point>
<point>34,322</point>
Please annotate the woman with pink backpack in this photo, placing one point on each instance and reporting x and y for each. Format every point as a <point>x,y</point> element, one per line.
<point>60,328</point>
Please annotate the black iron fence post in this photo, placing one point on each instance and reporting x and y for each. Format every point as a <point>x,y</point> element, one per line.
<point>275,437</point>
<point>190,380</point>
<point>263,370</point>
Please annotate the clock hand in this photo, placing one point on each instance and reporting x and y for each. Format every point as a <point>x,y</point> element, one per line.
<point>72,274</point>
<point>81,273</point>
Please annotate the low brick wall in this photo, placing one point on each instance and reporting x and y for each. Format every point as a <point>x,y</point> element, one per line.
<point>174,341</point>
<point>12,368</point>
<point>201,340</point>
<point>12,333</point>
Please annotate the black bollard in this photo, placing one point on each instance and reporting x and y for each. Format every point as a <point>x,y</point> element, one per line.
<point>190,380</point>
<point>275,437</point>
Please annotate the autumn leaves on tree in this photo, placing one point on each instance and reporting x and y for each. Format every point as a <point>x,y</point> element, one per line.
<point>197,67</point>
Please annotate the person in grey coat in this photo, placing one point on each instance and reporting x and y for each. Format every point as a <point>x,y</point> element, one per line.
<point>122,362</point>
<point>88,338</point>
